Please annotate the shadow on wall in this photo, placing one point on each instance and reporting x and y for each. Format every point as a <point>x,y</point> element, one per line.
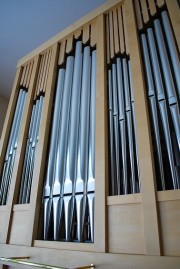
<point>3,109</point>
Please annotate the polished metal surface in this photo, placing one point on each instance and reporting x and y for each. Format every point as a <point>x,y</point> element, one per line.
<point>30,152</point>
<point>124,164</point>
<point>163,82</point>
<point>70,180</point>
<point>12,147</point>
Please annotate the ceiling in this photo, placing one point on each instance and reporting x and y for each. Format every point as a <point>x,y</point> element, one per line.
<point>24,25</point>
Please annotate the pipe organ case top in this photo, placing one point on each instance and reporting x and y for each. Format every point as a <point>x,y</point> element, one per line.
<point>89,153</point>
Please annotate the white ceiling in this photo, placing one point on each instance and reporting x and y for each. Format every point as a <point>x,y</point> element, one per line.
<point>26,24</point>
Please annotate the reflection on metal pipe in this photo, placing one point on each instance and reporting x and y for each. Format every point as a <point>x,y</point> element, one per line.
<point>11,148</point>
<point>30,152</point>
<point>122,132</point>
<point>69,188</point>
<point>163,80</point>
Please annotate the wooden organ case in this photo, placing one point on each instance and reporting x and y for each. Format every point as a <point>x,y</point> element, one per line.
<point>89,153</point>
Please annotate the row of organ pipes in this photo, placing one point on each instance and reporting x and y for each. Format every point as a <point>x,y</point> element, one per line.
<point>68,196</point>
<point>123,163</point>
<point>162,69</point>
<point>69,180</point>
<point>9,159</point>
<point>30,152</point>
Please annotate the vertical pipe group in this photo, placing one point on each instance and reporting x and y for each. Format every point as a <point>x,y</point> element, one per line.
<point>12,147</point>
<point>30,152</point>
<point>124,167</point>
<point>162,68</point>
<point>69,186</point>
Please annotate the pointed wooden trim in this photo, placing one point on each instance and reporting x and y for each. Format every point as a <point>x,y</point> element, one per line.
<point>47,71</point>
<point>61,59</point>
<point>121,30</point>
<point>160,3</point>
<point>77,33</point>
<point>125,31</point>
<point>138,14</point>
<point>94,33</point>
<point>69,44</point>
<point>107,40</point>
<point>23,75</point>
<point>152,7</point>
<point>116,32</point>
<point>144,11</point>
<point>86,34</point>
<point>111,33</point>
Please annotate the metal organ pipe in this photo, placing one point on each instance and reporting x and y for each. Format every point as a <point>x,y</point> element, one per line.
<point>69,187</point>
<point>30,152</point>
<point>163,80</point>
<point>11,147</point>
<point>124,165</point>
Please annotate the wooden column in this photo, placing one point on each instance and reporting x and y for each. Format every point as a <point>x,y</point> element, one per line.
<point>147,175</point>
<point>101,162</point>
<point>13,191</point>
<point>39,166</point>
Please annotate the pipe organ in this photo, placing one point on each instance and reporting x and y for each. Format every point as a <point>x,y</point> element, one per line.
<point>89,153</point>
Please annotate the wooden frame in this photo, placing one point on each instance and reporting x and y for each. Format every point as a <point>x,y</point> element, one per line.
<point>147,216</point>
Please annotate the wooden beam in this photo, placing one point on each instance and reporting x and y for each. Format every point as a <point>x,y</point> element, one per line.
<point>148,189</point>
<point>101,155</point>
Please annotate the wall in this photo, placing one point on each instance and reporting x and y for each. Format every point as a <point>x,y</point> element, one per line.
<point>3,108</point>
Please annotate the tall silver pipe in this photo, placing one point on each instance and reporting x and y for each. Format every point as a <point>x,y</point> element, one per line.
<point>14,123</point>
<point>122,123</point>
<point>116,130</point>
<point>111,135</point>
<point>82,168</point>
<point>92,124</point>
<point>134,125</point>
<point>23,185</point>
<point>26,167</point>
<point>91,165</point>
<point>129,124</point>
<point>58,186</point>
<point>151,95</point>
<point>13,148</point>
<point>170,88</point>
<point>35,140</point>
<point>72,143</point>
<point>161,102</point>
<point>51,181</point>
<point>172,49</point>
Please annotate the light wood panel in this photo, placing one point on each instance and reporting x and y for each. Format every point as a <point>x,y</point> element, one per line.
<point>170,227</point>
<point>19,228</point>
<point>150,215</point>
<point>73,259</point>
<point>126,233</point>
<point>124,199</point>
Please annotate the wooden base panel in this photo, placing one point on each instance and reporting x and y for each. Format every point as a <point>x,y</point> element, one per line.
<point>72,259</point>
